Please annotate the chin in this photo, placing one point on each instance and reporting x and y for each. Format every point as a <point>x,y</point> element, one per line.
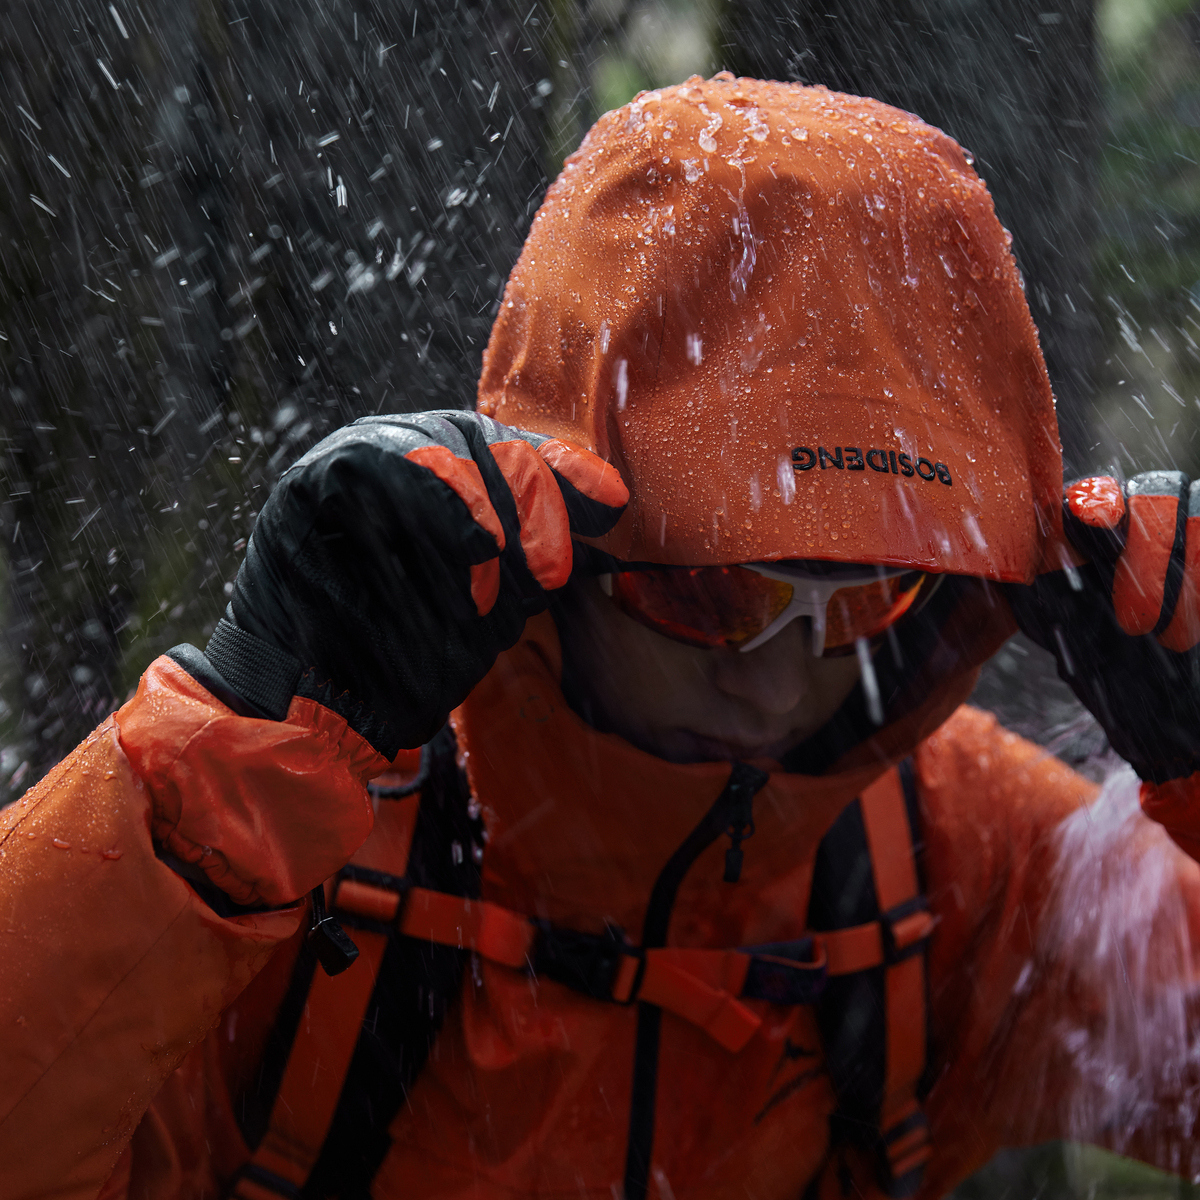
<point>686,745</point>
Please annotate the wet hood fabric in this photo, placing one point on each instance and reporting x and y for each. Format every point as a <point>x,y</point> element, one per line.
<point>791,319</point>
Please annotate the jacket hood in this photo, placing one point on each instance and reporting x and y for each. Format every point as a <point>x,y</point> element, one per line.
<point>791,319</point>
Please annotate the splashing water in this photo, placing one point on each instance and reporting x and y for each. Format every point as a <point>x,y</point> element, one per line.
<point>785,477</point>
<point>706,141</point>
<point>621,381</point>
<point>739,275</point>
<point>862,647</point>
<point>755,125</point>
<point>1117,923</point>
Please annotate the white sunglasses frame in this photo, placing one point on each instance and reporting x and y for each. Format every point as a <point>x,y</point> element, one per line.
<point>810,597</point>
<point>811,594</point>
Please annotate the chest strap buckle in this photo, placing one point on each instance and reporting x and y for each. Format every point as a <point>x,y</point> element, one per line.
<point>585,962</point>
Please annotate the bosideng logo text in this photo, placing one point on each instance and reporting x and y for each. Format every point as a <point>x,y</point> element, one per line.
<point>851,458</point>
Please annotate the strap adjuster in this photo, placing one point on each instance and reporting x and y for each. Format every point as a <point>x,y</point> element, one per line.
<point>334,947</point>
<point>905,929</point>
<point>585,962</point>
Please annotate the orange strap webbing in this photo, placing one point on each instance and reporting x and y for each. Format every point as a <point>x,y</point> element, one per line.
<point>701,986</point>
<point>321,1051</point>
<point>705,987</point>
<point>905,925</point>
<point>312,1081</point>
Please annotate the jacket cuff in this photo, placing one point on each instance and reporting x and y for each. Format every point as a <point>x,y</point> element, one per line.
<point>1175,805</point>
<point>266,809</point>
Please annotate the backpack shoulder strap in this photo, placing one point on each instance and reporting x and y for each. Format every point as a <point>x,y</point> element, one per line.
<point>309,1086</point>
<point>874,1021</point>
<point>348,1047</point>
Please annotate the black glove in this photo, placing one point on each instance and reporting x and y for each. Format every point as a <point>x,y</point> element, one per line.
<point>394,562</point>
<point>1124,626</point>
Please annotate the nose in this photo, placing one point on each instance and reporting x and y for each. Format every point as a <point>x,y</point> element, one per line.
<point>774,677</point>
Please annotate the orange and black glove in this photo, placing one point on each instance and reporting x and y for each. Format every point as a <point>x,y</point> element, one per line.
<point>1124,627</point>
<point>392,564</point>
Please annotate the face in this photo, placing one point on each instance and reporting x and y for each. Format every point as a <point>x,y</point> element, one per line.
<point>687,704</point>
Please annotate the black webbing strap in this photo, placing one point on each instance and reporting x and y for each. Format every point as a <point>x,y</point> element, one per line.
<point>852,1012</point>
<point>415,985</point>
<point>254,669</point>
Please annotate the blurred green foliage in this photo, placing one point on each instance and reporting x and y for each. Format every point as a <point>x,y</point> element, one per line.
<point>1069,1171</point>
<point>1146,268</point>
<point>652,43</point>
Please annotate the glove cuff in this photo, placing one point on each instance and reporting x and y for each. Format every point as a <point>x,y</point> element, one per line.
<point>245,673</point>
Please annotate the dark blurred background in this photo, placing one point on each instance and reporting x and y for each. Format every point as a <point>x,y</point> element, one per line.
<point>228,226</point>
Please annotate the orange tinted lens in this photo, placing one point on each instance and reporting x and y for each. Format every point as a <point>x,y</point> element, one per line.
<point>867,610</point>
<point>702,606</point>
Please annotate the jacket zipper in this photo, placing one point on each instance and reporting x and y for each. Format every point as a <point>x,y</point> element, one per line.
<point>730,814</point>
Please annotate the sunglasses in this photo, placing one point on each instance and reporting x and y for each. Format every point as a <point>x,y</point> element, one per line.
<point>741,607</point>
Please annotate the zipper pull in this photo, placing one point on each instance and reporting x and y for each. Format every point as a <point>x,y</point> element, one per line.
<point>744,783</point>
<point>334,947</point>
<point>734,855</point>
<point>733,860</point>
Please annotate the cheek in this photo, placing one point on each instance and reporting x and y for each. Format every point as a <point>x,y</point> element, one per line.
<point>629,667</point>
<point>836,674</point>
<point>833,680</point>
<point>661,678</point>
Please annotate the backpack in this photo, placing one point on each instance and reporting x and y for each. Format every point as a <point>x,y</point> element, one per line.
<point>862,967</point>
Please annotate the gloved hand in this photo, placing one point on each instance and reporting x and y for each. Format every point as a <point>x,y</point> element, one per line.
<point>1124,627</point>
<point>392,564</point>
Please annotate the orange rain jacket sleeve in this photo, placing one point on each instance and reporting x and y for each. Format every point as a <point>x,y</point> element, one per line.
<point>112,967</point>
<point>1064,972</point>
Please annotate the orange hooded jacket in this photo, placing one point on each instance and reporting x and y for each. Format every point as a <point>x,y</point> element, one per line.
<point>1060,966</point>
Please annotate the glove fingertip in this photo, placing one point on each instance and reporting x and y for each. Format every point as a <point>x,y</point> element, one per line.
<point>589,474</point>
<point>541,510</point>
<point>554,566</point>
<point>1179,639</point>
<point>1097,501</point>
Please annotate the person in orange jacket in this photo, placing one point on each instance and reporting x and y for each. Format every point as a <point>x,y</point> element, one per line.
<point>729,892</point>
